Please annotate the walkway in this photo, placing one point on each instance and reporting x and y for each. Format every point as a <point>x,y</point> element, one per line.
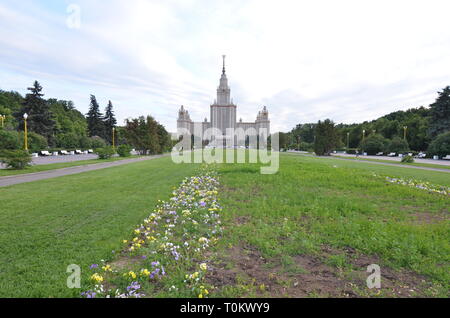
<point>23,178</point>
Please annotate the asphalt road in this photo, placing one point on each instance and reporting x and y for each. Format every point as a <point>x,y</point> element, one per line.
<point>23,178</point>
<point>373,162</point>
<point>398,159</point>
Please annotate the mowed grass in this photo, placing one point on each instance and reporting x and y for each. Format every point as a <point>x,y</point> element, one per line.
<point>79,219</point>
<point>310,203</point>
<point>313,202</point>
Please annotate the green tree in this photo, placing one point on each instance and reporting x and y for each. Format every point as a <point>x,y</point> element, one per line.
<point>109,122</point>
<point>164,140</point>
<point>9,140</point>
<point>326,138</point>
<point>40,119</point>
<point>374,144</point>
<point>398,145</point>
<point>440,113</point>
<point>94,119</point>
<point>440,146</point>
<point>142,134</point>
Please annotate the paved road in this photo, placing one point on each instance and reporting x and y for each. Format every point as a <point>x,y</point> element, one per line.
<point>23,178</point>
<point>398,159</point>
<point>376,163</point>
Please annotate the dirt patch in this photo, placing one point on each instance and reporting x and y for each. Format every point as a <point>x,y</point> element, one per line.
<point>394,283</point>
<point>125,262</point>
<point>244,268</point>
<point>241,220</point>
<point>251,271</point>
<point>430,218</point>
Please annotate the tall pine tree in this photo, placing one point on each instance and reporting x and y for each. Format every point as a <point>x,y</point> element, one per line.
<point>109,121</point>
<point>440,114</point>
<point>94,119</point>
<point>40,119</point>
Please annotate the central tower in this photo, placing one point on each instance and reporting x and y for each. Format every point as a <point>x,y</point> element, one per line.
<point>223,111</point>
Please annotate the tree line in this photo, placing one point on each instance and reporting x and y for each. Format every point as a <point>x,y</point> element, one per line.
<point>56,124</point>
<point>425,129</point>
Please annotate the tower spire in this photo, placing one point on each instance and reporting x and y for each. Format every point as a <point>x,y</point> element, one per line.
<point>223,70</point>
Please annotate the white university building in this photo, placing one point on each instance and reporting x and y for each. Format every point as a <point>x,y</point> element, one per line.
<point>224,129</point>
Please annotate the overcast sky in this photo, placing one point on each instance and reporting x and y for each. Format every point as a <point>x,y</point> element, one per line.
<point>306,60</point>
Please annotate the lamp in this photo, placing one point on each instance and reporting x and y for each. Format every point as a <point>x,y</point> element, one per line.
<point>25,135</point>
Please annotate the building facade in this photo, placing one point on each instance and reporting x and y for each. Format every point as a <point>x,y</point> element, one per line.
<point>222,128</point>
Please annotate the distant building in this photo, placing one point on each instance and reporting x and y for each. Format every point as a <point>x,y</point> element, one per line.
<point>223,117</point>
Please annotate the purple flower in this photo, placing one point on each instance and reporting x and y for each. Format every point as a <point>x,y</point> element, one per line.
<point>93,266</point>
<point>203,204</point>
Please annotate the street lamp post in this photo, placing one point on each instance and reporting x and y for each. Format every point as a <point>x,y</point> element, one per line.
<point>113,138</point>
<point>364,136</point>
<point>25,135</point>
<point>404,132</point>
<point>348,140</point>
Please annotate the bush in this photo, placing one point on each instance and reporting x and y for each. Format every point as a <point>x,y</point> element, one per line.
<point>408,159</point>
<point>86,143</point>
<point>97,142</point>
<point>398,145</point>
<point>69,140</point>
<point>124,150</point>
<point>374,144</point>
<point>440,146</point>
<point>15,159</point>
<point>36,142</point>
<point>306,146</point>
<point>105,152</point>
<point>9,140</point>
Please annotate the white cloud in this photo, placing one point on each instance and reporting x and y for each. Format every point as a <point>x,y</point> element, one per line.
<point>349,60</point>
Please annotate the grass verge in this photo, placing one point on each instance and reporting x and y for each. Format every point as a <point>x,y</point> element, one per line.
<point>78,219</point>
<point>312,229</point>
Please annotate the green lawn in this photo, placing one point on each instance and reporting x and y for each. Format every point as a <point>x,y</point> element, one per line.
<point>298,233</point>
<point>59,165</point>
<point>314,206</point>
<point>77,219</point>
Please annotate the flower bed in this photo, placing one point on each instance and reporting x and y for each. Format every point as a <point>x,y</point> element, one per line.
<point>418,185</point>
<point>165,255</point>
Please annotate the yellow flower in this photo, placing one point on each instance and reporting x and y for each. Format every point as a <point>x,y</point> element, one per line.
<point>130,274</point>
<point>200,296</point>
<point>145,272</point>
<point>107,268</point>
<point>203,267</point>
<point>125,241</point>
<point>137,231</point>
<point>97,278</point>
